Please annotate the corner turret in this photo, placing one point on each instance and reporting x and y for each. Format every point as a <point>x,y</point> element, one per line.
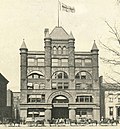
<point>94,48</point>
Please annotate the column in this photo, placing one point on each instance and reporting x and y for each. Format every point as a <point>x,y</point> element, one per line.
<point>72,114</point>
<point>23,114</point>
<point>47,114</point>
<point>115,112</point>
<point>96,113</point>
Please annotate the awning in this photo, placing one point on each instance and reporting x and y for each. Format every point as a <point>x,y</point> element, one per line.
<point>38,72</point>
<point>35,96</point>
<point>60,97</point>
<point>29,119</point>
<point>32,96</point>
<point>33,112</point>
<point>29,84</point>
<point>83,73</point>
<point>42,113</point>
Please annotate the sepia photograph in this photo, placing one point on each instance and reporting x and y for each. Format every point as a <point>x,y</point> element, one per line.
<point>59,64</point>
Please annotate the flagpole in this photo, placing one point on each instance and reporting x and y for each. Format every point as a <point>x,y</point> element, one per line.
<point>58,14</point>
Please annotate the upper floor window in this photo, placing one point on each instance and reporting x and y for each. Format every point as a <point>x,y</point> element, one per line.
<point>60,99</point>
<point>36,98</point>
<point>35,76</point>
<point>59,50</point>
<point>64,50</point>
<point>82,86</point>
<point>40,62</point>
<point>64,62</point>
<point>60,75</point>
<point>31,62</point>
<point>54,62</point>
<point>84,99</point>
<point>88,62</point>
<point>78,62</point>
<point>54,50</point>
<point>83,75</point>
<point>60,85</point>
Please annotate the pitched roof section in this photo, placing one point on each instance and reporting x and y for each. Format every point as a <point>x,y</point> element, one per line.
<point>59,33</point>
<point>94,46</point>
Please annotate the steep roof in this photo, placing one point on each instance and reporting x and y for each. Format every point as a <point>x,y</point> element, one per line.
<point>59,33</point>
<point>3,79</point>
<point>23,46</point>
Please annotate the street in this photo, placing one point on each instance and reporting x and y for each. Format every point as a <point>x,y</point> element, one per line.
<point>63,127</point>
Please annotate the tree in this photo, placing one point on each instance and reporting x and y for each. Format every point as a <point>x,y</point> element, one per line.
<point>116,52</point>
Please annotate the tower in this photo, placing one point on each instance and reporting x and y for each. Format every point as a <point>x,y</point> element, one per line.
<point>47,41</point>
<point>23,65</point>
<point>95,75</point>
<point>71,60</point>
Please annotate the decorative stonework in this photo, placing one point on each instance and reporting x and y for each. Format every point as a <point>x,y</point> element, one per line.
<point>56,93</point>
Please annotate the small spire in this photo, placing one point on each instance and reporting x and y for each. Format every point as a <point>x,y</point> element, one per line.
<point>23,46</point>
<point>71,35</point>
<point>94,46</point>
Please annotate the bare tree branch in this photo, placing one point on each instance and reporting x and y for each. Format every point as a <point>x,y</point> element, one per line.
<point>110,61</point>
<point>110,49</point>
<point>114,31</point>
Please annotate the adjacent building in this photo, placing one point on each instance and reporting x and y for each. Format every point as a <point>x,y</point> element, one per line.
<point>16,106</point>
<point>59,82</point>
<point>112,100</point>
<point>3,96</point>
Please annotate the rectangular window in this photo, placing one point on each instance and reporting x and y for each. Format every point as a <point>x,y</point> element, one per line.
<point>40,62</point>
<point>64,62</point>
<point>54,62</point>
<point>82,99</point>
<point>78,62</point>
<point>65,85</point>
<point>87,99</point>
<point>111,111</point>
<point>78,85</point>
<point>59,85</point>
<point>87,62</point>
<point>36,98</point>
<point>31,62</point>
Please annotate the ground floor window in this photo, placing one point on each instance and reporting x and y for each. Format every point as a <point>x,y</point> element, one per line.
<point>35,112</point>
<point>84,112</point>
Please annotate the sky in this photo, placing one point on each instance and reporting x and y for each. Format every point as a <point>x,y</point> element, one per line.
<point>27,19</point>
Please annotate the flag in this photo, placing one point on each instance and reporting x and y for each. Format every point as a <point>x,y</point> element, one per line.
<point>67,8</point>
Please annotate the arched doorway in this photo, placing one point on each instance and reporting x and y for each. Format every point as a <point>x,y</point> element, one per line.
<point>60,107</point>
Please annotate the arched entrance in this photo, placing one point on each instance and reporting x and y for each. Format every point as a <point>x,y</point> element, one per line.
<point>60,107</point>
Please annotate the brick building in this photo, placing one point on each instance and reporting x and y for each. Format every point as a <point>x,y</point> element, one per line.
<point>59,82</point>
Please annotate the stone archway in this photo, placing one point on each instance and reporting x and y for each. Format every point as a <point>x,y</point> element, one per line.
<point>60,101</point>
<point>57,93</point>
